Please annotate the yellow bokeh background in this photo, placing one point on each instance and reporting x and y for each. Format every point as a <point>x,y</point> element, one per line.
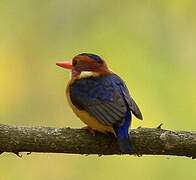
<point>150,44</point>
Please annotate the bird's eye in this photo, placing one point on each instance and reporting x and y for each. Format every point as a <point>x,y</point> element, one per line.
<point>74,63</point>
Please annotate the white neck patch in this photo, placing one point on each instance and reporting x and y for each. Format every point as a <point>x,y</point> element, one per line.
<point>86,74</point>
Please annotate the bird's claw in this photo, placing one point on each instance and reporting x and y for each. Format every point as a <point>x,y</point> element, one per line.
<point>89,129</point>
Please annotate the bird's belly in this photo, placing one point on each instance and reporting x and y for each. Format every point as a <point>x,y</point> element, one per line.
<point>91,121</point>
<point>87,118</point>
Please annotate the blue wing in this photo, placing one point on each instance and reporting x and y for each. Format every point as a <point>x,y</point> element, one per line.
<point>104,97</point>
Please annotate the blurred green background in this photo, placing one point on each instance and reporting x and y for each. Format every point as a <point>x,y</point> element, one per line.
<point>150,44</point>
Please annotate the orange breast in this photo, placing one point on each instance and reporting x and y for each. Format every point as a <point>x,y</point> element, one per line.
<point>86,117</point>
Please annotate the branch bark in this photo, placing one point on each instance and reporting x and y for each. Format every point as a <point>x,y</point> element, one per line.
<point>149,141</point>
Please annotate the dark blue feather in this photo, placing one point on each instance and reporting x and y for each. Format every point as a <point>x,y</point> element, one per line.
<point>108,100</point>
<point>122,134</point>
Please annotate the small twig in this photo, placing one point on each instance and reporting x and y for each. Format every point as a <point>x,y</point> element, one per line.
<point>160,126</point>
<point>18,154</point>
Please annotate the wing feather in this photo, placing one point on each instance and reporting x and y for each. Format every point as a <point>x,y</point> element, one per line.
<point>104,97</point>
<point>132,104</point>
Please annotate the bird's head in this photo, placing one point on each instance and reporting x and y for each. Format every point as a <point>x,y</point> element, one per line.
<point>85,65</point>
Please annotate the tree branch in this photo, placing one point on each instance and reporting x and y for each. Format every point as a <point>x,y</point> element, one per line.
<point>151,141</point>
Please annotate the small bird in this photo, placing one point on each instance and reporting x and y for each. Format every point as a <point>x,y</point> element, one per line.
<point>100,98</point>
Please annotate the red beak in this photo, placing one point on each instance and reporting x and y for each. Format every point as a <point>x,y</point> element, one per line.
<point>65,64</point>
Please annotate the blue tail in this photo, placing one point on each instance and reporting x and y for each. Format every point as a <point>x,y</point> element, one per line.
<point>122,134</point>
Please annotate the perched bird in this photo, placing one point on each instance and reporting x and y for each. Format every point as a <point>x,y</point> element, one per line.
<point>100,98</point>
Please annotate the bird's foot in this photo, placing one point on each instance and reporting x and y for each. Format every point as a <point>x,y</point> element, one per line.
<point>89,129</point>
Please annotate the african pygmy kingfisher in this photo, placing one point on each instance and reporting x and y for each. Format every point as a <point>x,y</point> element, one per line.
<point>100,98</point>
